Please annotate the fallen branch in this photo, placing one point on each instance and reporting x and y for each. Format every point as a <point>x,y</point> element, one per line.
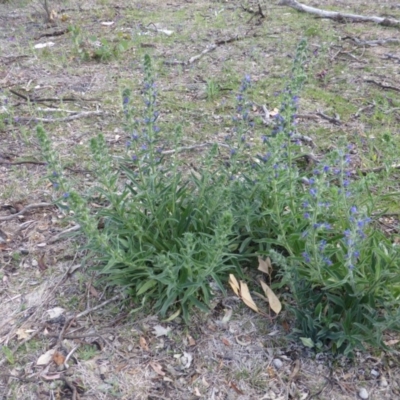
<point>59,235</point>
<point>25,209</point>
<point>382,85</point>
<point>209,49</point>
<point>194,147</point>
<point>33,99</point>
<point>390,56</point>
<point>378,42</point>
<point>63,119</point>
<point>337,16</point>
<point>376,169</point>
<point>333,120</point>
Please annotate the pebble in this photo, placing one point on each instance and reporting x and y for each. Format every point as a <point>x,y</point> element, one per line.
<point>375,373</point>
<point>363,394</point>
<point>383,382</point>
<point>277,363</point>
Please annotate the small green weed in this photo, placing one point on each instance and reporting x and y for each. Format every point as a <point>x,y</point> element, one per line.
<point>8,354</point>
<point>87,352</point>
<point>89,47</point>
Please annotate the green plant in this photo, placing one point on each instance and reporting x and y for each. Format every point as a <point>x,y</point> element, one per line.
<point>92,47</point>
<point>167,233</point>
<point>212,90</point>
<point>8,354</point>
<point>87,352</point>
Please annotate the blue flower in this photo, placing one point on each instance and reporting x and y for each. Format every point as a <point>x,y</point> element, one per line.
<point>306,257</point>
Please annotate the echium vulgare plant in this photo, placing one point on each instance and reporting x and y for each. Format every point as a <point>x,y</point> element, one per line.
<point>316,227</point>
<point>164,236</point>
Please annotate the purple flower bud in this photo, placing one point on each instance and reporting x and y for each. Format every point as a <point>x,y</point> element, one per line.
<point>306,257</point>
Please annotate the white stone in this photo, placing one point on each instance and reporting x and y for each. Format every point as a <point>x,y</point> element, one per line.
<point>277,363</point>
<point>363,394</point>
<point>375,373</point>
<point>383,382</point>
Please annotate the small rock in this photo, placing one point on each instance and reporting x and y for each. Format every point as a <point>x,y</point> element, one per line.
<point>375,373</point>
<point>277,363</point>
<point>363,394</point>
<point>34,263</point>
<point>383,382</point>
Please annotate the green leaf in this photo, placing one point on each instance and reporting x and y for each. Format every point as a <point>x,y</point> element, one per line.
<point>146,286</point>
<point>307,342</point>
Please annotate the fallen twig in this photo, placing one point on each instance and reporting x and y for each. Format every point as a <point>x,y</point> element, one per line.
<point>25,209</point>
<point>378,42</point>
<point>376,169</point>
<point>254,13</point>
<point>392,57</point>
<point>89,310</point>
<point>382,85</point>
<point>194,147</point>
<point>64,232</point>
<point>333,120</point>
<point>210,48</point>
<point>33,99</point>
<point>337,16</point>
<point>63,119</point>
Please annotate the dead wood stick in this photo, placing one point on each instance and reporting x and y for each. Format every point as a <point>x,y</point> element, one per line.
<point>25,209</point>
<point>371,42</point>
<point>89,310</point>
<point>59,235</point>
<point>196,146</point>
<point>209,49</point>
<point>333,120</point>
<point>376,169</point>
<point>382,85</point>
<point>338,16</point>
<point>64,119</point>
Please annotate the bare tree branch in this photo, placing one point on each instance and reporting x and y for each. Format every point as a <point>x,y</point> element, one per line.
<point>337,15</point>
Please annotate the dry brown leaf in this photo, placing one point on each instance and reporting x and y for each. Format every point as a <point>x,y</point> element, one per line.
<point>391,342</point>
<point>286,326</point>
<point>246,297</point>
<point>42,265</point>
<point>226,342</point>
<point>159,330</point>
<point>235,388</point>
<point>265,266</point>
<point>157,368</point>
<point>192,342</point>
<point>143,343</point>
<point>234,284</point>
<point>22,334</point>
<point>274,302</point>
<point>50,377</point>
<point>296,370</point>
<point>58,358</point>
<point>45,358</point>
<point>93,291</point>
